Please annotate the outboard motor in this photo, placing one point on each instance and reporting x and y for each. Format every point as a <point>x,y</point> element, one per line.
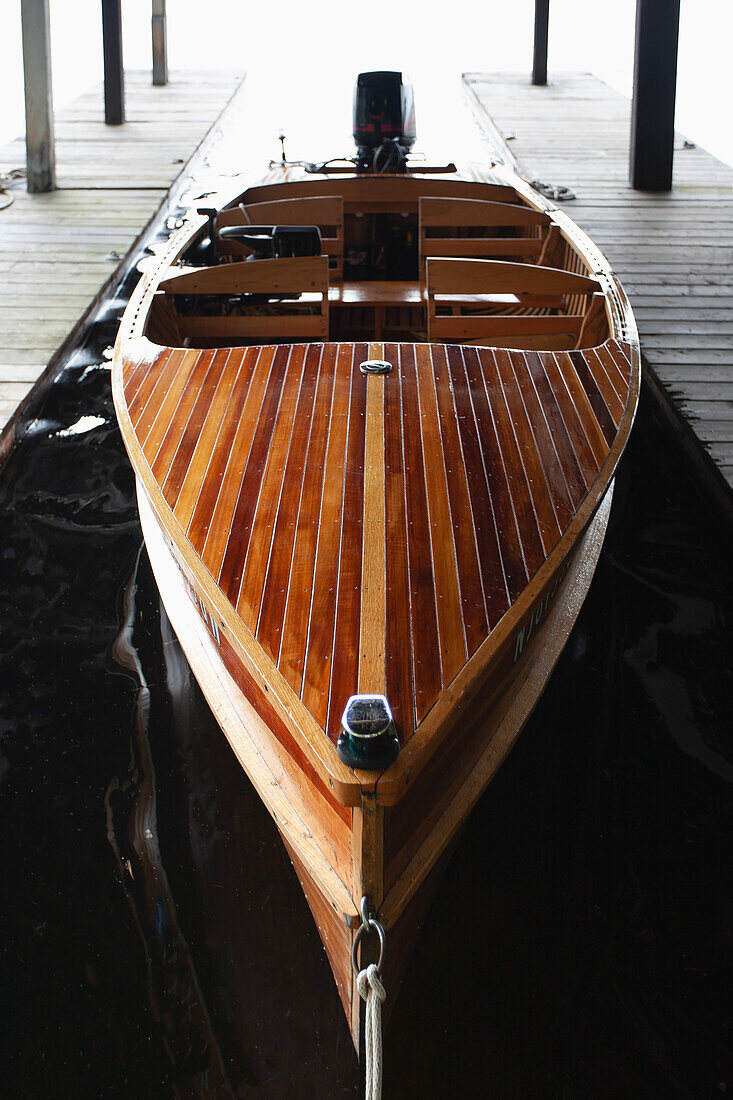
<point>384,122</point>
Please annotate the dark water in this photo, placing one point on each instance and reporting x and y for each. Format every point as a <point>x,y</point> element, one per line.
<point>153,937</point>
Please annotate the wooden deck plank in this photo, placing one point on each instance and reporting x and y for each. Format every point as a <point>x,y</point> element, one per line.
<point>473,597</point>
<point>300,588</point>
<point>320,639</point>
<point>400,655</point>
<point>275,489</point>
<point>61,248</point>
<point>453,651</point>
<point>500,555</point>
<point>426,673</point>
<point>345,659</point>
<point>672,252</point>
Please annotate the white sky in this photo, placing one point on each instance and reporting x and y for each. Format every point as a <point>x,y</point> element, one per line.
<point>302,57</point>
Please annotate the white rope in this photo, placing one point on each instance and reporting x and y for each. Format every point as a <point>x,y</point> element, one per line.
<point>372,991</point>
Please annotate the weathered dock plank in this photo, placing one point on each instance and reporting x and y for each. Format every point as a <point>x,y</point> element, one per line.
<point>59,250</point>
<point>673,252</point>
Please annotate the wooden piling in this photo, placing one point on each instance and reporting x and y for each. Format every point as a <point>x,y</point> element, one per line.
<point>39,137</point>
<point>160,44</point>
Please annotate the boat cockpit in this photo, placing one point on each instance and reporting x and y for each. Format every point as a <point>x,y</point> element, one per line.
<point>384,258</point>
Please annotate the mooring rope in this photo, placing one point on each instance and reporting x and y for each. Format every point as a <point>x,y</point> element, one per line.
<point>556,192</point>
<point>372,991</point>
<point>6,198</point>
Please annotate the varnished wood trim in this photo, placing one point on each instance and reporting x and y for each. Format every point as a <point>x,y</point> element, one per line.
<point>552,248</point>
<point>373,624</point>
<point>368,847</point>
<point>399,640</point>
<point>345,654</point>
<point>426,672</point>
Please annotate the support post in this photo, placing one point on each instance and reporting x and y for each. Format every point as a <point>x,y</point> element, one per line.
<point>114,79</point>
<point>541,27</point>
<point>655,87</point>
<point>39,141</point>
<point>160,47</point>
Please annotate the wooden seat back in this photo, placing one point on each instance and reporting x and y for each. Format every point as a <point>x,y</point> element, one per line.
<point>366,193</point>
<point>325,211</point>
<point>540,318</point>
<point>480,229</point>
<point>272,322</point>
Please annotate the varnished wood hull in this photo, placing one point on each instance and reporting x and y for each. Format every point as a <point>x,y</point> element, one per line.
<point>428,534</point>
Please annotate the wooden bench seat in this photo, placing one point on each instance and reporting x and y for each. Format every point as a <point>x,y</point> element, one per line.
<point>480,229</point>
<point>365,194</point>
<point>534,324</point>
<point>304,318</point>
<point>377,293</point>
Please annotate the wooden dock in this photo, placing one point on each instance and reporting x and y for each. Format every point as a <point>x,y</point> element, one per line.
<point>672,252</point>
<point>60,251</point>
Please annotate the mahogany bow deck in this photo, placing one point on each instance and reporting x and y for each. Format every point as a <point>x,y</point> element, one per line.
<point>426,534</point>
<point>371,531</point>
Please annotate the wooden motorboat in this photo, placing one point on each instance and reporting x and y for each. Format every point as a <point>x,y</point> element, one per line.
<point>374,481</point>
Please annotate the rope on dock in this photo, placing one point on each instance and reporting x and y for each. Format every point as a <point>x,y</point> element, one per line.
<point>5,178</point>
